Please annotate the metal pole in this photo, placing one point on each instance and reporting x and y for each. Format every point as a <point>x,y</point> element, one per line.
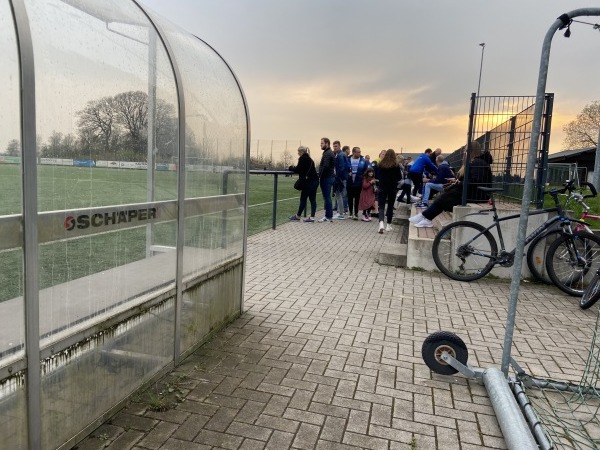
<point>545,137</point>
<point>515,430</point>
<point>480,67</point>
<point>467,160</point>
<point>151,156</point>
<point>31,288</point>
<point>181,168</point>
<point>596,178</point>
<point>275,201</point>
<point>528,189</point>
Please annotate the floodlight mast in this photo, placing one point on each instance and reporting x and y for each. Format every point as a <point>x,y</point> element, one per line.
<point>480,67</point>
<point>562,22</point>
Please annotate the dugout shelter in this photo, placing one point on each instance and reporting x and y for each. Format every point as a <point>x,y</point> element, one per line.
<point>120,253</point>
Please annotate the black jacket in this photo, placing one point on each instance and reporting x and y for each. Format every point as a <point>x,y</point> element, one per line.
<point>305,168</point>
<point>387,179</point>
<point>327,164</point>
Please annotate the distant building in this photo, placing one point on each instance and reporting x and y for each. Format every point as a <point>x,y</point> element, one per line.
<point>583,157</point>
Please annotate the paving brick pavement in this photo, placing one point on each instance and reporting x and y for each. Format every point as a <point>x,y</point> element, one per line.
<point>327,354</point>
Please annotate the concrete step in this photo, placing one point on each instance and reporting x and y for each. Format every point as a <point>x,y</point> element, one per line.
<point>393,255</point>
<point>401,213</point>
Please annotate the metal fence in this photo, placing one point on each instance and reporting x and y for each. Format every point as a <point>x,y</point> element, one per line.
<point>502,125</point>
<point>270,154</point>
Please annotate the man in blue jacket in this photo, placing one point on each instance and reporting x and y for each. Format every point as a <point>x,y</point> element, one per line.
<point>415,173</point>
<point>341,176</point>
<point>444,175</point>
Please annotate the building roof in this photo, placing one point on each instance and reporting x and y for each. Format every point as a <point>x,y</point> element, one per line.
<point>566,154</point>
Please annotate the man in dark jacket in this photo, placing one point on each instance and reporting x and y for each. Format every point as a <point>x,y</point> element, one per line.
<point>326,178</point>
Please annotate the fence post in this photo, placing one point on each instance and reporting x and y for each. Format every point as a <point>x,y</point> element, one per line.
<point>275,201</point>
<point>510,149</point>
<point>224,213</point>
<point>596,178</point>
<point>542,174</point>
<point>467,161</point>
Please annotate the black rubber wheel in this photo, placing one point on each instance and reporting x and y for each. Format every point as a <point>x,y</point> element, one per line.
<point>464,251</point>
<point>439,342</point>
<point>591,293</point>
<point>572,261</point>
<point>536,254</point>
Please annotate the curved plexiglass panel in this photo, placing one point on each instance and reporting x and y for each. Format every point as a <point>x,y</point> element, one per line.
<point>215,150</point>
<point>107,123</point>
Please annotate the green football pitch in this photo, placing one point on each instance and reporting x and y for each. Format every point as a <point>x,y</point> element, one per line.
<point>63,187</point>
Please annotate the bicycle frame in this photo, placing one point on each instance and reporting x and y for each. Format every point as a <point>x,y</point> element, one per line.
<point>561,218</point>
<point>535,233</point>
<point>584,226</point>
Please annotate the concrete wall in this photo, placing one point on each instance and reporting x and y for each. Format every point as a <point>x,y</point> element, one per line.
<point>419,249</point>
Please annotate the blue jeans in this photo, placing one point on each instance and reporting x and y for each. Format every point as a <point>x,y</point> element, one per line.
<point>310,193</point>
<point>326,185</point>
<point>428,188</point>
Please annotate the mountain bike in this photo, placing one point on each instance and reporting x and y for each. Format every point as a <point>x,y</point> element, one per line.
<point>467,251</point>
<point>592,292</point>
<point>538,248</point>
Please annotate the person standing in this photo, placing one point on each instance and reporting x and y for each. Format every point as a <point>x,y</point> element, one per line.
<point>358,166</point>
<point>367,194</point>
<point>415,172</point>
<point>341,176</point>
<point>326,178</point>
<point>388,175</point>
<point>307,172</point>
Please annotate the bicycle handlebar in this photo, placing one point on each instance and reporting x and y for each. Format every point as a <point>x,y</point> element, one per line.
<point>592,189</point>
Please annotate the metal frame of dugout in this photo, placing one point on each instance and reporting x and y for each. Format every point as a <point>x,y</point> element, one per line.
<point>72,352</point>
<point>446,353</point>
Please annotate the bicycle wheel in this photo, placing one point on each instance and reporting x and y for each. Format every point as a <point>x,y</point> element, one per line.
<point>591,293</point>
<point>464,251</point>
<point>536,255</point>
<point>572,261</point>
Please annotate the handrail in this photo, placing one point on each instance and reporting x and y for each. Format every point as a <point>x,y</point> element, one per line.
<point>275,174</point>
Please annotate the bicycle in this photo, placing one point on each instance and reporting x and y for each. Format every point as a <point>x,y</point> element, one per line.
<point>535,254</point>
<point>473,251</point>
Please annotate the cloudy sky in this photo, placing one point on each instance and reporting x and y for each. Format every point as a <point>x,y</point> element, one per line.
<point>389,73</point>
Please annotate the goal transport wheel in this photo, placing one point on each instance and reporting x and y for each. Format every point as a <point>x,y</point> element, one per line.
<point>439,342</point>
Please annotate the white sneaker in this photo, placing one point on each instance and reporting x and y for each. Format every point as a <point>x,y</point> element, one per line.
<point>388,227</point>
<point>339,217</point>
<point>414,199</point>
<point>425,223</point>
<point>324,219</point>
<point>416,219</point>
<point>381,226</point>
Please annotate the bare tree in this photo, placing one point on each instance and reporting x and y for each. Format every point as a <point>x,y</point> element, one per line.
<point>97,121</point>
<point>13,148</point>
<point>120,125</point>
<point>132,114</point>
<point>583,131</point>
<point>286,159</point>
